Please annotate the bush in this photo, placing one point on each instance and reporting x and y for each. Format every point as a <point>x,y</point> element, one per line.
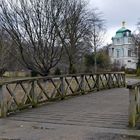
<point>57,71</point>
<point>2,71</point>
<point>138,71</point>
<point>72,70</point>
<point>34,74</point>
<point>123,68</point>
<point>130,71</point>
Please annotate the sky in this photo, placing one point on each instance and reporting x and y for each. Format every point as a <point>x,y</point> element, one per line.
<point>116,11</point>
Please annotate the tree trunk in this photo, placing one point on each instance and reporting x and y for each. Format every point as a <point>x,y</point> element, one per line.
<point>72,69</point>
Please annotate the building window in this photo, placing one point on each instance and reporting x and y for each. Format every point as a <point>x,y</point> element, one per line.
<point>112,51</point>
<point>118,53</point>
<point>129,53</point>
<point>118,40</point>
<point>122,52</point>
<point>128,33</point>
<point>124,34</point>
<point>129,40</point>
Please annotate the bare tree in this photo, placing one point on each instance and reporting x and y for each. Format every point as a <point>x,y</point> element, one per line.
<point>31,24</point>
<point>136,40</point>
<point>74,30</point>
<point>97,33</point>
<point>81,30</point>
<point>4,51</point>
<point>42,28</point>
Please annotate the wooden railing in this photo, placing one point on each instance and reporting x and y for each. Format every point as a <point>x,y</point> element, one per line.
<point>19,94</point>
<point>134,102</point>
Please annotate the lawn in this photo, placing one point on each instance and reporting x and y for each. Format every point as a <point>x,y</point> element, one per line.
<point>134,76</point>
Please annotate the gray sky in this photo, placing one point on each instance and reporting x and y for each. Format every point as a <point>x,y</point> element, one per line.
<point>116,11</point>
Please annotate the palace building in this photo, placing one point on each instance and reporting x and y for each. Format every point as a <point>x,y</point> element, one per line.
<point>123,51</point>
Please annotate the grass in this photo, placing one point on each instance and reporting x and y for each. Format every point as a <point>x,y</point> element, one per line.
<point>133,76</point>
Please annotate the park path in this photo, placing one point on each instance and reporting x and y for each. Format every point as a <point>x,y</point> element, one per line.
<point>97,116</point>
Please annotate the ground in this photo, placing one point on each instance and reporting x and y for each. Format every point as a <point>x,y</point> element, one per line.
<point>97,116</point>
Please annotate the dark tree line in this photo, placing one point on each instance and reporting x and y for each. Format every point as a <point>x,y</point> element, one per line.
<point>43,30</point>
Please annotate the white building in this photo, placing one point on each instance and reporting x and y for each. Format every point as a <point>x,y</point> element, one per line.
<point>122,51</point>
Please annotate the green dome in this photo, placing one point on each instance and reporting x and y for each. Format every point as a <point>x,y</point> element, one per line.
<point>123,29</point>
<point>122,32</point>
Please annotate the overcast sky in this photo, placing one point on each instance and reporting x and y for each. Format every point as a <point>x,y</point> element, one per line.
<point>116,11</point>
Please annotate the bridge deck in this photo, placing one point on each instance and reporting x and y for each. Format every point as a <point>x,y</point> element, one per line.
<point>84,117</point>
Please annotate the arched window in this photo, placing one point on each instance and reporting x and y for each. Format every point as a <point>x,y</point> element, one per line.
<point>118,53</point>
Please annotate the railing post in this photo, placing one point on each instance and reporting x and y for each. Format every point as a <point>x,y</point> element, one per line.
<point>33,94</point>
<point>138,99</point>
<point>82,84</point>
<point>132,106</point>
<point>98,81</point>
<point>109,81</point>
<point>62,88</point>
<point>3,106</point>
<point>118,79</point>
<point>123,75</point>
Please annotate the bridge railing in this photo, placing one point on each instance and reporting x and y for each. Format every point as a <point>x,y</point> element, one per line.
<point>134,102</point>
<point>16,95</point>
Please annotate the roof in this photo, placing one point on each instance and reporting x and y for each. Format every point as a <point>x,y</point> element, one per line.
<point>123,29</point>
<point>121,32</point>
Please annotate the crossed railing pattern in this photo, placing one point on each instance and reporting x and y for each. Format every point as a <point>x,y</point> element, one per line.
<point>19,94</point>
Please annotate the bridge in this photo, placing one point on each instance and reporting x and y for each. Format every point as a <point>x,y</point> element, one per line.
<point>93,114</point>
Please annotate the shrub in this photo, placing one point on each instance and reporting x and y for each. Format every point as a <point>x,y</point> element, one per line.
<point>2,71</point>
<point>123,68</point>
<point>72,70</point>
<point>57,71</point>
<point>34,74</point>
<point>138,71</point>
<point>130,71</point>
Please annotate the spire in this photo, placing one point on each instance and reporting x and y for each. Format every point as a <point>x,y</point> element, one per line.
<point>123,24</point>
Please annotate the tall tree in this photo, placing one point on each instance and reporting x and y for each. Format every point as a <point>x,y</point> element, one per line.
<point>81,30</point>
<point>31,25</point>
<point>5,49</point>
<point>136,40</point>
<point>74,31</point>
<point>97,33</point>
<point>42,28</point>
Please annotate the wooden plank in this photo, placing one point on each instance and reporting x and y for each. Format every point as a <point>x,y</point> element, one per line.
<point>3,105</point>
<point>102,109</point>
<point>132,107</point>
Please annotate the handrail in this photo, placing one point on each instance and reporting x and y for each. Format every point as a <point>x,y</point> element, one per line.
<point>55,76</point>
<point>30,92</point>
<point>134,102</point>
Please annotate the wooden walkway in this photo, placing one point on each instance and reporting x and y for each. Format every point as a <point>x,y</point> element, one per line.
<point>81,117</point>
